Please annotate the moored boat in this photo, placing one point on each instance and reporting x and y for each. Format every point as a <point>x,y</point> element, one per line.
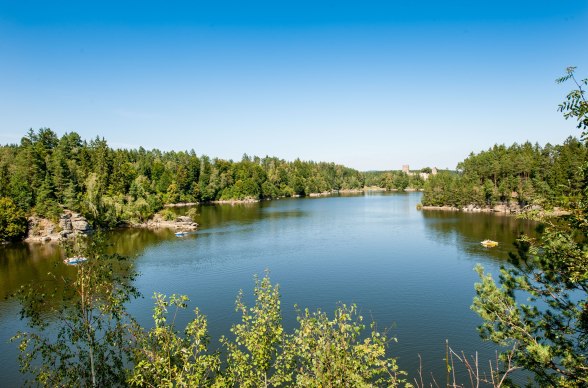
<point>75,260</point>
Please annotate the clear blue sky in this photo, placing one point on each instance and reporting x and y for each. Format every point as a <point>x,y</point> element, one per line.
<point>369,84</point>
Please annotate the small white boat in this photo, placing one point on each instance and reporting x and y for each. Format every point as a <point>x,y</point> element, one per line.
<point>181,234</point>
<point>75,260</point>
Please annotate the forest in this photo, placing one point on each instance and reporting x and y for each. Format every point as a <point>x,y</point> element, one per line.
<point>526,174</point>
<point>395,179</point>
<point>44,174</point>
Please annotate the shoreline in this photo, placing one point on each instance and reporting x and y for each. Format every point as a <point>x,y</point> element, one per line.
<point>42,230</point>
<point>501,209</point>
<point>365,189</point>
<point>49,233</point>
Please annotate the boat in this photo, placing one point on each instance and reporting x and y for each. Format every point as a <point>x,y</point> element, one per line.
<point>181,234</point>
<point>75,260</point>
<point>489,243</point>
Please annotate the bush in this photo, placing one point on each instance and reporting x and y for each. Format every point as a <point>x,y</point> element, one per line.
<point>192,213</point>
<point>321,352</point>
<point>168,215</point>
<point>13,223</point>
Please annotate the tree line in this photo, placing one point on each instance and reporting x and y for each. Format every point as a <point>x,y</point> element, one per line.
<point>395,180</point>
<point>524,173</point>
<point>44,174</point>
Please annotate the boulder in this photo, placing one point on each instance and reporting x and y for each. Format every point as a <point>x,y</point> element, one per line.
<point>72,223</point>
<point>80,224</point>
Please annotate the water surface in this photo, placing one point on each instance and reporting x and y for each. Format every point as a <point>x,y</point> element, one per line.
<point>411,271</point>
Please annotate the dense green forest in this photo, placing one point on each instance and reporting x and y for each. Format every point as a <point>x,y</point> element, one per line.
<point>45,173</point>
<point>395,179</point>
<point>524,173</point>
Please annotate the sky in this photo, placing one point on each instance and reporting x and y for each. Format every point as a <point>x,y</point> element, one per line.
<point>369,84</point>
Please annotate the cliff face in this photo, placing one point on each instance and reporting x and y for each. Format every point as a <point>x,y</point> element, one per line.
<point>44,230</point>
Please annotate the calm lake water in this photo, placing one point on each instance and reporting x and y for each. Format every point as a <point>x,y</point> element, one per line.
<point>411,271</point>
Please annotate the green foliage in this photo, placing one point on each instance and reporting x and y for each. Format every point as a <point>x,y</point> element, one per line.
<point>526,174</point>
<point>168,214</point>
<point>108,186</point>
<point>334,353</point>
<point>80,338</point>
<point>575,105</point>
<point>192,213</point>
<point>320,353</point>
<point>550,329</point>
<point>395,180</point>
<point>13,223</point>
<point>251,355</point>
<point>163,357</point>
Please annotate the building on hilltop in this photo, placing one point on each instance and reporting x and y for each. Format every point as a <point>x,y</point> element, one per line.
<point>423,175</point>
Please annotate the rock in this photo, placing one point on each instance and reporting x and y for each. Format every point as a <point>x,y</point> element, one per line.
<point>184,219</point>
<point>74,223</point>
<point>80,224</point>
<point>70,224</point>
<point>500,208</point>
<point>515,208</point>
<point>65,222</point>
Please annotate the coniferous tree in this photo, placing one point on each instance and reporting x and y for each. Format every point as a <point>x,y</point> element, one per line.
<point>548,331</point>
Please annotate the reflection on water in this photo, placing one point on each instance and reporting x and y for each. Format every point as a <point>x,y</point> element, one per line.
<point>132,242</point>
<point>407,269</point>
<point>24,263</point>
<point>467,230</point>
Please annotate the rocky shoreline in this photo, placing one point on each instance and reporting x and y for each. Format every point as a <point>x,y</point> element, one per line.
<point>508,209</point>
<point>183,223</point>
<point>501,208</point>
<point>73,224</point>
<point>234,201</point>
<point>42,230</point>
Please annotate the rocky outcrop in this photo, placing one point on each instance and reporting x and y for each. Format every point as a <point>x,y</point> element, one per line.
<point>235,201</point>
<point>44,230</point>
<point>41,230</point>
<point>445,208</point>
<point>181,204</point>
<point>72,224</point>
<point>180,223</point>
<point>323,194</point>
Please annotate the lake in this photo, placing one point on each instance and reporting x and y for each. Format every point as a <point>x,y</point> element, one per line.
<point>411,271</point>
